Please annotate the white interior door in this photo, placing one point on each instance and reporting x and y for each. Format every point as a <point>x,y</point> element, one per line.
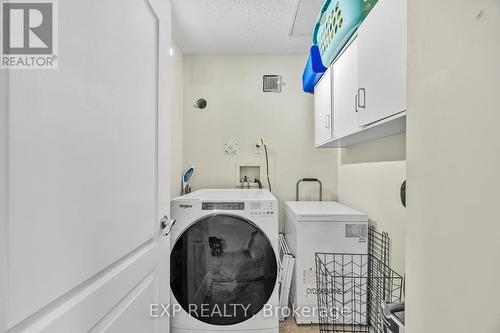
<point>84,175</point>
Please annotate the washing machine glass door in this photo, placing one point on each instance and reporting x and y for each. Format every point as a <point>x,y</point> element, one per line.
<point>223,270</point>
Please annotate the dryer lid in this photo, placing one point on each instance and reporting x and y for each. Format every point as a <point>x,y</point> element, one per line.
<point>323,211</point>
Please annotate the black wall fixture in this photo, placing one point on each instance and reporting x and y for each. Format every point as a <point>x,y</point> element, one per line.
<point>201,103</point>
<point>403,193</point>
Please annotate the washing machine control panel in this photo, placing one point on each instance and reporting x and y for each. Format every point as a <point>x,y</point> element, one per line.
<point>223,206</point>
<point>261,209</point>
<point>252,208</point>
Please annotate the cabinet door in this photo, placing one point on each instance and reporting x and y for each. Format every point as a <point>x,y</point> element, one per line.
<point>382,61</point>
<point>345,89</point>
<point>323,108</point>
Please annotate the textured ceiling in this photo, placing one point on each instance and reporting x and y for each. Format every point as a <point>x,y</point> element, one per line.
<point>244,26</point>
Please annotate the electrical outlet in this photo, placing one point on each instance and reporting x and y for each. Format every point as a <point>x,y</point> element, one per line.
<point>231,147</point>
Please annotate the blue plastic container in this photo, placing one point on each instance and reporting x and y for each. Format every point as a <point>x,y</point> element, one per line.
<point>336,23</point>
<point>314,70</point>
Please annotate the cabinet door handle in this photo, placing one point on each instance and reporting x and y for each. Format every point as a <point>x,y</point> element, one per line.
<point>327,121</point>
<point>359,98</point>
<point>356,98</point>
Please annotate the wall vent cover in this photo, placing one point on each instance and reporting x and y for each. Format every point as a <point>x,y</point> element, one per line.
<point>271,83</point>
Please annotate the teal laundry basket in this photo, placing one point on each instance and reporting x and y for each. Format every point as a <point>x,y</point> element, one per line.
<point>336,23</point>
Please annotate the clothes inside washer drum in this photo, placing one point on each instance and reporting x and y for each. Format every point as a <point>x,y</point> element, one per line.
<point>245,293</point>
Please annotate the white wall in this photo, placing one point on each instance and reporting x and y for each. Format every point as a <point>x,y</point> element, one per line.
<point>239,110</point>
<point>369,178</point>
<point>453,150</point>
<point>177,78</point>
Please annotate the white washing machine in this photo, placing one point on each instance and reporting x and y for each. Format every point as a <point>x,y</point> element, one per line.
<point>223,270</point>
<point>319,226</point>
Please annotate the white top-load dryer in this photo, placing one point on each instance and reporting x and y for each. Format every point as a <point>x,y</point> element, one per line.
<point>223,271</point>
<point>319,227</point>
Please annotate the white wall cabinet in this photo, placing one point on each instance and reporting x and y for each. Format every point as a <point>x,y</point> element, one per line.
<point>382,62</point>
<point>323,109</point>
<point>345,87</point>
<point>362,96</point>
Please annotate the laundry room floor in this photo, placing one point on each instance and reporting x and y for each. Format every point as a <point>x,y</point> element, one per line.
<point>289,326</point>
